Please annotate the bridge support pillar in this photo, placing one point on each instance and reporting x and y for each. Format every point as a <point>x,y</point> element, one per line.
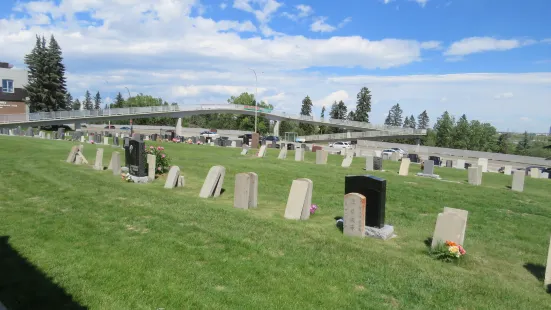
<point>78,127</point>
<point>276,128</point>
<point>418,148</point>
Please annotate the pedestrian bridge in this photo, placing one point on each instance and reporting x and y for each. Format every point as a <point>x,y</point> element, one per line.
<point>78,117</point>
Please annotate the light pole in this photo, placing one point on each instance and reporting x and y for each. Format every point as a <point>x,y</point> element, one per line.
<point>256,98</point>
<point>131,125</point>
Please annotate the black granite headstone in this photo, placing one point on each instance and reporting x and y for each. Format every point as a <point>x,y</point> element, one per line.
<point>377,163</point>
<point>437,161</point>
<point>245,140</point>
<point>135,154</point>
<point>467,165</point>
<point>414,158</point>
<point>374,190</point>
<point>291,147</point>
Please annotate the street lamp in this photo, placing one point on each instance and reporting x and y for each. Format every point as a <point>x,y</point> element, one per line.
<point>256,99</point>
<point>131,125</point>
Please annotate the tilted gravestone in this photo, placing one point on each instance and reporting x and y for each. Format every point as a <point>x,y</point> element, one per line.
<point>518,181</point>
<point>547,277</point>
<point>450,226</point>
<point>369,163</point>
<point>212,187</point>
<point>72,154</point>
<point>282,153</point>
<point>262,151</point>
<point>135,156</point>
<point>404,167</point>
<point>297,201</point>
<point>173,177</point>
<point>347,161</point>
<point>308,202</point>
<point>244,151</point>
<point>321,157</point>
<point>354,215</point>
<point>98,164</point>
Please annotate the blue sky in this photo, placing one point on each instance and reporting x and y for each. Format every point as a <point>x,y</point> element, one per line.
<point>488,59</point>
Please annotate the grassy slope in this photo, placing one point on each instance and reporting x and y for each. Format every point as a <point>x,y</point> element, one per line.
<point>115,245</point>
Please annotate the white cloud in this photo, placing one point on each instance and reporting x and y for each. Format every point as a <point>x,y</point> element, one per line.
<point>227,90</point>
<point>328,100</point>
<point>422,3</point>
<point>483,44</point>
<point>431,45</point>
<point>223,5</point>
<point>506,95</point>
<point>302,12</point>
<point>266,8</point>
<point>319,24</point>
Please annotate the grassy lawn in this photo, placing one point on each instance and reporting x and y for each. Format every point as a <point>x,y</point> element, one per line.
<point>115,245</point>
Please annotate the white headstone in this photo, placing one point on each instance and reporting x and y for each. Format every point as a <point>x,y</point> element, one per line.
<point>484,163</point>
<point>212,186</point>
<point>105,141</point>
<point>282,153</point>
<point>262,151</point>
<point>308,201</point>
<point>98,164</point>
<point>241,196</point>
<point>253,191</point>
<point>369,163</point>
<point>534,173</point>
<point>508,170</point>
<point>518,181</point>
<point>450,226</point>
<point>404,167</point>
<point>547,279</point>
<point>173,177</point>
<point>296,200</point>
<point>152,166</point>
<point>347,161</point>
<point>354,215</point>
<point>299,154</point>
<point>116,163</point>
<point>473,175</point>
<point>321,157</point>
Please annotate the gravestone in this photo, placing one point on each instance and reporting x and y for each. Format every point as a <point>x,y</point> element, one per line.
<point>480,169</point>
<point>544,175</point>
<point>395,156</point>
<point>377,163</point>
<point>308,201</point>
<point>49,136</point>
<point>354,215</point>
<point>507,170</point>
<point>450,226</point>
<point>241,195</point>
<point>464,214</point>
<point>534,173</point>
<point>449,163</point>
<point>72,154</point>
<point>82,139</point>
<point>98,164</point>
<point>255,140</point>
<point>105,141</point>
<point>414,158</point>
<point>116,163</point>
<point>386,156</point>
<point>547,278</point>
<point>321,157</point>
<point>404,167</point>
<point>436,160</point>
<point>347,161</point>
<point>238,143</point>
<point>173,177</point>
<point>518,181</point>
<point>473,175</point>
<point>61,133</point>
<point>369,163</point>
<point>253,191</point>
<point>374,190</point>
<point>135,156</point>
<point>212,187</point>
<point>181,181</point>
<point>262,151</point>
<point>30,132</point>
<point>298,196</point>
<point>484,163</point>
<point>291,146</point>
<point>244,151</point>
<point>282,153</point>
<point>299,155</point>
<point>315,148</point>
<point>151,166</point>
<point>233,144</point>
<point>428,167</point>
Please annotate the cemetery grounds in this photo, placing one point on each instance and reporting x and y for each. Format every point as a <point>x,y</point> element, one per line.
<point>74,237</point>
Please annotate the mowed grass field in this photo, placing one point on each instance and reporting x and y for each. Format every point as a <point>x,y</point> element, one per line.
<point>100,243</point>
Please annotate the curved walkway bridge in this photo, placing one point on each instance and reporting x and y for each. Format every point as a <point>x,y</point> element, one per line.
<point>77,117</point>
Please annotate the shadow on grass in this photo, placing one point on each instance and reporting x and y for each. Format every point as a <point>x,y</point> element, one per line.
<point>24,286</point>
<point>537,271</point>
<point>509,186</point>
<point>428,242</point>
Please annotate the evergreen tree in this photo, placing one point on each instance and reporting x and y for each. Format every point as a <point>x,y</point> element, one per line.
<point>306,110</point>
<point>97,101</point>
<point>395,116</point>
<point>423,120</point>
<point>388,119</point>
<point>503,143</point>
<point>36,64</point>
<point>489,138</point>
<point>461,134</point>
<point>76,105</point>
<point>322,128</point>
<point>351,115</point>
<point>412,123</point>
<point>363,105</point>
<point>334,113</point>
<point>475,136</point>
<point>323,112</point>
<point>69,102</point>
<point>406,123</point>
<point>119,101</point>
<point>58,84</point>
<point>444,130</point>
<point>88,101</point>
<point>342,109</point>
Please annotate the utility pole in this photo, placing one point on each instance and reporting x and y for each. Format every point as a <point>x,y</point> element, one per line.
<point>255,99</point>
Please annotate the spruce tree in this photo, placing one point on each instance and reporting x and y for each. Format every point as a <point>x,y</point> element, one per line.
<point>119,101</point>
<point>444,130</point>
<point>306,110</point>
<point>334,113</point>
<point>461,133</point>
<point>36,65</point>
<point>342,110</point>
<point>388,119</point>
<point>406,123</point>
<point>88,101</point>
<point>76,105</point>
<point>523,144</point>
<point>363,105</point>
<point>351,115</point>
<point>97,101</point>
<point>394,117</point>
<point>322,128</point>
<point>68,102</point>
<point>58,85</point>
<point>423,120</point>
<point>503,143</point>
<point>412,123</point>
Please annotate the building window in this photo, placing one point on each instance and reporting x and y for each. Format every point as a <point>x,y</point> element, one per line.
<point>7,86</point>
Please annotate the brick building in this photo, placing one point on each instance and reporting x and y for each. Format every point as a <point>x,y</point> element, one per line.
<point>12,92</point>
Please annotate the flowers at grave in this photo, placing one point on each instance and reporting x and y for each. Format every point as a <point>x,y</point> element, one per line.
<point>126,177</point>
<point>313,209</point>
<point>448,251</point>
<point>162,161</point>
<point>175,140</point>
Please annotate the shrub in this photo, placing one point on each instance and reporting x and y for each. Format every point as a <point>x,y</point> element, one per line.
<point>162,161</point>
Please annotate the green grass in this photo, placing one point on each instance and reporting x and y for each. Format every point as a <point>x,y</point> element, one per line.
<point>116,245</point>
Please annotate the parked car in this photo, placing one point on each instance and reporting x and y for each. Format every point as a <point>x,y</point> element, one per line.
<point>340,145</point>
<point>83,126</point>
<point>389,152</point>
<point>541,169</point>
<point>248,135</point>
<point>399,150</point>
<point>56,127</point>
<point>109,127</point>
<point>124,128</point>
<point>271,138</point>
<point>209,134</point>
